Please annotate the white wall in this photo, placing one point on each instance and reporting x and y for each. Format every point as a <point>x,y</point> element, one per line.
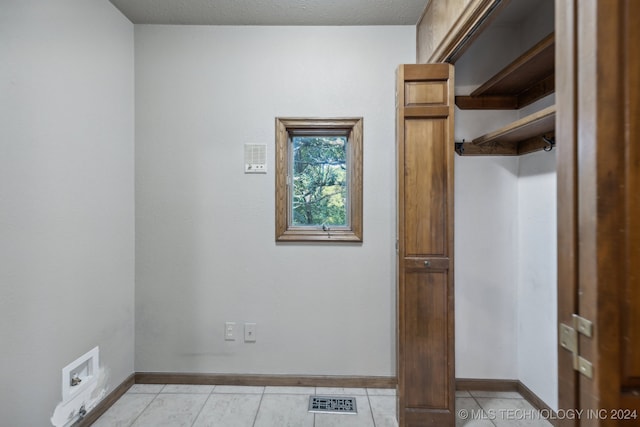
<point>537,244</point>
<point>206,249</point>
<point>66,198</point>
<point>537,275</point>
<point>486,274</point>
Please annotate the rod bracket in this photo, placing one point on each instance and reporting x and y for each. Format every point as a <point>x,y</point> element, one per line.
<point>551,142</point>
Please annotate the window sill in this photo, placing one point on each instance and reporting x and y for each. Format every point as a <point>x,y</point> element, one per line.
<point>318,236</point>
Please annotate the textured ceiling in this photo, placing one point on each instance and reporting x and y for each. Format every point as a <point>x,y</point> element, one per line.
<point>272,12</point>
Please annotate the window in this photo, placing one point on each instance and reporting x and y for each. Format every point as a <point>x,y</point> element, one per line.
<point>319,179</point>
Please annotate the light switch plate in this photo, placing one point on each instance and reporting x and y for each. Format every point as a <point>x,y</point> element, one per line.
<point>249,332</point>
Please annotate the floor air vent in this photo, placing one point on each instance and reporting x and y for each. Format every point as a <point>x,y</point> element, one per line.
<point>333,405</point>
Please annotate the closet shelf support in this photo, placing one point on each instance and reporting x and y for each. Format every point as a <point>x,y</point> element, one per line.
<point>551,142</point>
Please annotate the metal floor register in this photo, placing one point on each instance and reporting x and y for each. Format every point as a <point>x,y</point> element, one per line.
<point>333,405</point>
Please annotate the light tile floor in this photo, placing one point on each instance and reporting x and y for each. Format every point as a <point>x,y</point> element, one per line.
<point>153,405</point>
<point>497,409</point>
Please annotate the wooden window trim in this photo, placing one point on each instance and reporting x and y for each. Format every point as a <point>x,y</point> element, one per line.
<point>352,127</point>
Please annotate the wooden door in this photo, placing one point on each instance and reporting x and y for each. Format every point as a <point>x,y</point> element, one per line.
<point>426,386</point>
<point>598,81</point>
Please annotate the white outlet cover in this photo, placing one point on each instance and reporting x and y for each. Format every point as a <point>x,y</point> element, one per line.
<point>230,331</point>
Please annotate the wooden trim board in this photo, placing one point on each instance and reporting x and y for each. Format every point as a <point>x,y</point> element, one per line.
<point>106,403</point>
<point>525,80</point>
<point>265,380</point>
<point>534,124</point>
<point>507,385</point>
<point>444,31</point>
<point>537,403</point>
<point>481,384</point>
<point>520,137</point>
<point>533,65</point>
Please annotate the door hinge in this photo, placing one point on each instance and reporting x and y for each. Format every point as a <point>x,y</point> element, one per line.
<point>569,341</point>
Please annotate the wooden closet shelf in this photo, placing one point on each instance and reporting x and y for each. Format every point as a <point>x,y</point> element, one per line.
<point>520,137</point>
<point>530,77</point>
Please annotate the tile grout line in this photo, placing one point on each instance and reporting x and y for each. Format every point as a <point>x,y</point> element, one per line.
<point>481,407</point>
<point>147,406</point>
<point>370,407</point>
<point>203,405</point>
<point>259,406</point>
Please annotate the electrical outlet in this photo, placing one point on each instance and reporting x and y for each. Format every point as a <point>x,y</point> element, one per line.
<point>230,331</point>
<point>249,332</point>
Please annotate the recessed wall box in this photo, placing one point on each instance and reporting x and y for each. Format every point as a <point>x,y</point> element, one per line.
<point>79,374</point>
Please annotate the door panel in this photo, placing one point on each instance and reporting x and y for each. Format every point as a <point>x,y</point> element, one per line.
<point>599,183</point>
<point>631,312</point>
<point>426,335</point>
<point>426,93</point>
<point>566,131</point>
<point>425,180</point>
<point>424,132</point>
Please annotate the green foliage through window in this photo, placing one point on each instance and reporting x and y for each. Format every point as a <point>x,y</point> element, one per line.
<point>319,179</point>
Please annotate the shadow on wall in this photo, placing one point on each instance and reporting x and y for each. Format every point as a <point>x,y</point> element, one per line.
<point>538,163</point>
